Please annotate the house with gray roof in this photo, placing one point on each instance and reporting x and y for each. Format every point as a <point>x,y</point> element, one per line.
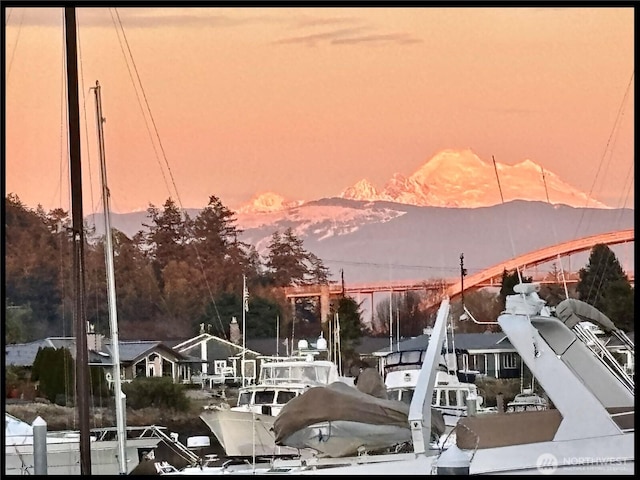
<point>137,358</point>
<point>214,360</point>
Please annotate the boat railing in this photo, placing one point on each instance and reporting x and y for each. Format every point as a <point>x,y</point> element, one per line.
<point>147,431</point>
<point>593,343</point>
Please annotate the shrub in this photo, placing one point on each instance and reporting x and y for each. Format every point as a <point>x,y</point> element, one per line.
<point>54,370</point>
<point>490,387</point>
<point>159,392</point>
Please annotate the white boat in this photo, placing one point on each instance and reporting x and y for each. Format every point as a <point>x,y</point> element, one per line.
<point>590,430</point>
<point>527,401</point>
<point>63,454</point>
<point>244,430</point>
<point>450,396</point>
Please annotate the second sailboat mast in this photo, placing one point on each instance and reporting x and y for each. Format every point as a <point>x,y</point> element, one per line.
<point>111,288</point>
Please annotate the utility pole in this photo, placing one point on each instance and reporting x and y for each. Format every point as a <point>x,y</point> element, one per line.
<point>75,169</point>
<point>463,273</point>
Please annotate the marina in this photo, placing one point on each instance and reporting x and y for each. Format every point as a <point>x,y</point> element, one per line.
<point>150,341</point>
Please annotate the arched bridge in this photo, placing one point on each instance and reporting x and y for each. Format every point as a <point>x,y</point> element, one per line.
<point>542,255</point>
<point>453,286</point>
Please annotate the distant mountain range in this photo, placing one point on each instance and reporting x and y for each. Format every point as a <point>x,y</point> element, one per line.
<point>453,178</point>
<point>417,227</point>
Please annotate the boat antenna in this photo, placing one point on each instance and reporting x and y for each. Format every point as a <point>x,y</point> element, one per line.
<point>513,248</point>
<point>553,226</point>
<point>245,309</point>
<point>75,171</point>
<point>391,319</point>
<point>338,347</point>
<point>397,328</point>
<point>277,334</point>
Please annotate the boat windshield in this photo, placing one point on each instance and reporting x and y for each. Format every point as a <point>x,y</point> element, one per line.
<point>284,397</point>
<point>244,398</point>
<point>273,374</point>
<point>264,397</point>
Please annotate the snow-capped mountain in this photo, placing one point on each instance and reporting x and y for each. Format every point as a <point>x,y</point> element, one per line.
<point>417,226</point>
<point>459,178</point>
<point>268,202</point>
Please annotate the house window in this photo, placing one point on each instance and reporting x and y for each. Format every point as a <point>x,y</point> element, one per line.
<point>509,360</point>
<point>452,394</point>
<point>219,366</point>
<point>476,362</point>
<point>167,368</point>
<point>465,361</point>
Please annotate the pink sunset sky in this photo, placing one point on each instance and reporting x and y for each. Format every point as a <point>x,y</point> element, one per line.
<point>307,101</point>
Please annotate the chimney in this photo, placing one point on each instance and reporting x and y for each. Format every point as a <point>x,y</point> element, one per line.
<point>234,331</point>
<point>94,339</point>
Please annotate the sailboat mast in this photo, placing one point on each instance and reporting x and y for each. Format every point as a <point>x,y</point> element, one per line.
<point>244,326</point>
<point>75,169</point>
<point>111,289</point>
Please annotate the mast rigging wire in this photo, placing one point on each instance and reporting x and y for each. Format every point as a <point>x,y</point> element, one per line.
<point>123,38</point>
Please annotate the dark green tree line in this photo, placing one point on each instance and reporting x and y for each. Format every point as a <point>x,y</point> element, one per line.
<point>169,277</point>
<point>604,284</point>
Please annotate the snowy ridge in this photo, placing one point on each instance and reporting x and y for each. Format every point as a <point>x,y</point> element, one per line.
<point>459,178</point>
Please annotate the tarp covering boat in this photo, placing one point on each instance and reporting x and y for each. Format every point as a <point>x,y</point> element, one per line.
<point>337,420</point>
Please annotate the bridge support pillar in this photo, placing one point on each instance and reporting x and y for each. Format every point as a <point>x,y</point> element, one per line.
<point>324,303</point>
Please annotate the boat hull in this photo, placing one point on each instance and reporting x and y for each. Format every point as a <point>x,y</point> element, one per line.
<point>64,458</point>
<point>244,434</point>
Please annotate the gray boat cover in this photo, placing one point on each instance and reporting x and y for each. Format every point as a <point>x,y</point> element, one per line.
<point>339,401</point>
<point>371,382</point>
<point>572,311</point>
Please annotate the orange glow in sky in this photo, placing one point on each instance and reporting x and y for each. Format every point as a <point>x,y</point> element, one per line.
<point>307,101</point>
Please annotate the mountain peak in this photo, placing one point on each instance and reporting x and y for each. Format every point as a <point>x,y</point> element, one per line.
<point>362,190</point>
<point>459,178</point>
<point>267,202</point>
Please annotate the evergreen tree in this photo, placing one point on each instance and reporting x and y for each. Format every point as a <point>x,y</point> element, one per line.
<point>604,285</point>
<point>261,318</point>
<point>218,251</point>
<point>167,236</point>
<point>349,320</point>
<point>288,263</point>
<point>53,368</point>
<point>510,280</point>
<point>554,293</point>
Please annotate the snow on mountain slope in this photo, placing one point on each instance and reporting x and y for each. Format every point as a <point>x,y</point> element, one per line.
<point>459,178</point>
<point>319,219</point>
